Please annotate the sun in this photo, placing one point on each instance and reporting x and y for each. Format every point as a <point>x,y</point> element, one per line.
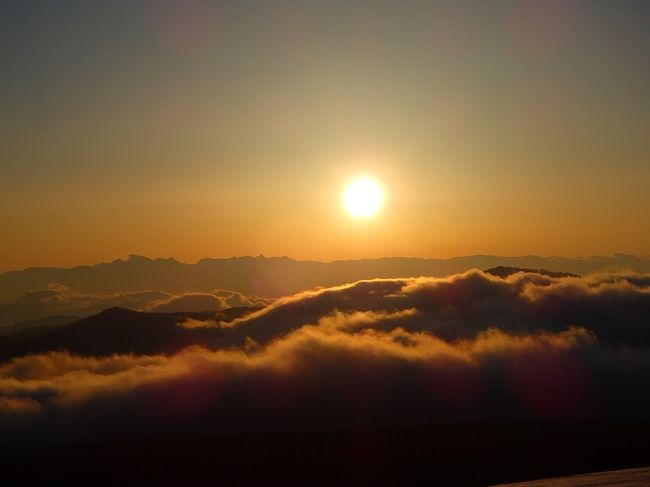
<point>363,197</point>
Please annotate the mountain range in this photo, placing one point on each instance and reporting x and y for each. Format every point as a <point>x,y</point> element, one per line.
<point>277,276</point>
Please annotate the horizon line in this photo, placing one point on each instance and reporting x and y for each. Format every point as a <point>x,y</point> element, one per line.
<point>132,257</point>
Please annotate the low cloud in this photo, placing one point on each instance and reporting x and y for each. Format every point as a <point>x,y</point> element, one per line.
<point>389,352</point>
<point>60,300</point>
<point>205,302</point>
<point>614,306</point>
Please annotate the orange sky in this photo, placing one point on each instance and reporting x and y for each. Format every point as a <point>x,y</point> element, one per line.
<point>233,131</point>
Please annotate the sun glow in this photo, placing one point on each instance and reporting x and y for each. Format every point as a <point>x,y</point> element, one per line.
<point>363,197</point>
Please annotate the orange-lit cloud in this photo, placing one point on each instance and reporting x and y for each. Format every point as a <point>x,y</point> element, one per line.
<point>380,352</point>
<point>57,299</point>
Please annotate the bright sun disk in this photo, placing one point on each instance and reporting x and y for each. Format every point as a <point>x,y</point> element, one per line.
<point>363,197</point>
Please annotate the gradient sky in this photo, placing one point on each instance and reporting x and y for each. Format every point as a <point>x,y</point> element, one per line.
<point>195,129</point>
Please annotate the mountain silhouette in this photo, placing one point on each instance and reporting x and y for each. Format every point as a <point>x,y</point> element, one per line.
<point>52,320</point>
<point>62,301</point>
<point>277,276</point>
<point>118,330</point>
<point>503,272</point>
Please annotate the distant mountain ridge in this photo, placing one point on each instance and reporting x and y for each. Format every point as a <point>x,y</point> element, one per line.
<point>63,301</point>
<point>503,272</point>
<point>277,276</point>
<point>117,330</point>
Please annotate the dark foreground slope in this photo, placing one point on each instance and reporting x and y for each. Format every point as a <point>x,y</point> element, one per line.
<point>632,477</point>
<point>451,455</point>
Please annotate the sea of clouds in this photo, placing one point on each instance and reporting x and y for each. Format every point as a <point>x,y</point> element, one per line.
<point>384,352</point>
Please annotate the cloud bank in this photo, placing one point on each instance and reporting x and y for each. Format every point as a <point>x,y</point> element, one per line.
<point>278,276</point>
<point>386,352</point>
<point>57,299</point>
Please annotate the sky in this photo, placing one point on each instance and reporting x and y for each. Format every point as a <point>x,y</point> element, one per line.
<point>210,129</point>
